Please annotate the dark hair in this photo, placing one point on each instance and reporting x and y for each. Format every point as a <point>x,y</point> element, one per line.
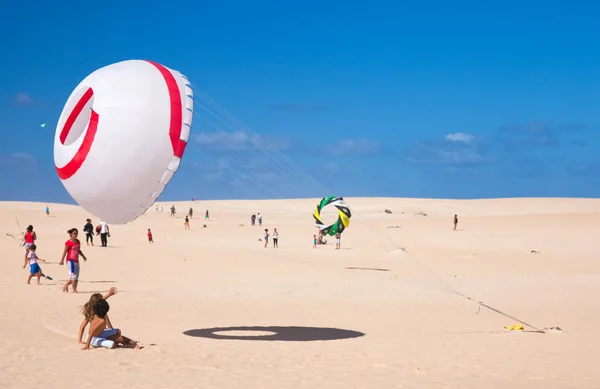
<point>101,308</point>
<point>88,220</point>
<point>32,247</point>
<point>30,228</point>
<point>72,230</point>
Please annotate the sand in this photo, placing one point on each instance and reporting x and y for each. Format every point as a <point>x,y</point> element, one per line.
<point>391,297</point>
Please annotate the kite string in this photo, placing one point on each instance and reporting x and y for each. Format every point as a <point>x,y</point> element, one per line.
<point>308,179</point>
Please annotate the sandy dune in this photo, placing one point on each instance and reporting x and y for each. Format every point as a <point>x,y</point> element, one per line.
<point>391,295</point>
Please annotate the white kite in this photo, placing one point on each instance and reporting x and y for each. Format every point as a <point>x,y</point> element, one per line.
<point>121,136</point>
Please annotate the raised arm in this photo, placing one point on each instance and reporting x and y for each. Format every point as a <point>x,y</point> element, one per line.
<point>111,292</point>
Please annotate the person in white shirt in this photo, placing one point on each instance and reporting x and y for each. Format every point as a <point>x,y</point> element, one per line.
<point>275,238</point>
<point>104,233</point>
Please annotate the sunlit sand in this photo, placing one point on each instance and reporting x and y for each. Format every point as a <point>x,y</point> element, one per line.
<point>214,309</point>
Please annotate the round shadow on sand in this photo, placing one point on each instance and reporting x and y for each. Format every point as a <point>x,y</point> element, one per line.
<point>277,334</point>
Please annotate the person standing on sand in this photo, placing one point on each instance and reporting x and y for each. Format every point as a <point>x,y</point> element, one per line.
<point>89,232</point>
<point>266,237</point>
<point>338,238</point>
<point>259,219</point>
<point>187,223</point>
<point>206,217</point>
<point>150,239</point>
<point>173,211</point>
<point>71,252</point>
<point>30,238</point>
<point>104,233</point>
<point>455,222</point>
<point>314,241</point>
<point>191,213</point>
<point>47,211</point>
<point>275,238</point>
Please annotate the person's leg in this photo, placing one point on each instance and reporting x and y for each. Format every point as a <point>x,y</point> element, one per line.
<point>65,287</point>
<point>38,278</point>
<point>29,278</point>
<point>75,277</point>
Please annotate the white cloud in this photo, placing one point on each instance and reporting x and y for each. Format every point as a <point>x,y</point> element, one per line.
<point>356,147</point>
<point>19,161</point>
<point>23,98</point>
<point>223,140</point>
<point>460,137</point>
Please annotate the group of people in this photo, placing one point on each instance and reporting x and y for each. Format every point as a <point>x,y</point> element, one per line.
<point>275,237</point>
<point>101,332</point>
<point>253,219</point>
<point>101,229</point>
<point>319,238</point>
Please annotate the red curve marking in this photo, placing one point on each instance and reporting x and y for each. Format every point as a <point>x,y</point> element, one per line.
<point>176,112</point>
<point>75,163</point>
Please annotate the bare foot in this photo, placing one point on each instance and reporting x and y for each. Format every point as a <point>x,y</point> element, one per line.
<point>65,289</point>
<point>39,283</point>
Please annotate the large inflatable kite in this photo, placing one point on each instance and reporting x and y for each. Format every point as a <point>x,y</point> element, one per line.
<point>342,221</point>
<point>121,136</point>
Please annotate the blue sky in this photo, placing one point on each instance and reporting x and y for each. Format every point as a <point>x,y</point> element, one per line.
<point>428,99</point>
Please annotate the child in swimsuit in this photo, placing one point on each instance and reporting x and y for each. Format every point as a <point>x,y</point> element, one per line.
<point>100,335</point>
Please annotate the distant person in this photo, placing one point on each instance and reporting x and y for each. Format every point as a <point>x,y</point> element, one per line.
<point>253,220</point>
<point>187,223</point>
<point>173,211</point>
<point>455,222</point>
<point>47,211</point>
<point>89,232</point>
<point>275,238</point>
<point>266,237</point>
<point>314,241</point>
<point>206,217</point>
<point>191,213</point>
<point>259,219</point>
<point>338,238</point>
<point>71,252</point>
<point>30,238</point>
<point>34,267</point>
<point>150,240</point>
<point>104,233</point>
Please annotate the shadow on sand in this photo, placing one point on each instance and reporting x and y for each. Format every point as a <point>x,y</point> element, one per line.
<point>367,268</point>
<point>279,334</point>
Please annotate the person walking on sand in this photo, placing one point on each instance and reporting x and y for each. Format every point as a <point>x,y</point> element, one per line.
<point>72,252</point>
<point>191,213</point>
<point>259,219</point>
<point>314,241</point>
<point>104,233</point>
<point>266,237</point>
<point>47,211</point>
<point>338,238</point>
<point>150,240</point>
<point>275,238</point>
<point>455,222</point>
<point>34,267</point>
<point>173,211</point>
<point>30,238</point>
<point>89,232</point>
<point>187,223</point>
<point>253,220</point>
<point>206,217</point>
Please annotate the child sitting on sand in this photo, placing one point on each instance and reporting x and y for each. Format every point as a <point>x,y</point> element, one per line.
<point>34,267</point>
<point>88,311</point>
<point>101,333</point>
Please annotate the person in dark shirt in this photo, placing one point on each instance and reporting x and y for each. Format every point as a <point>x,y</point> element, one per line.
<point>89,232</point>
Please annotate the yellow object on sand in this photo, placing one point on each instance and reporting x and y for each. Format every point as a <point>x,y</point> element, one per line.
<point>516,327</point>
